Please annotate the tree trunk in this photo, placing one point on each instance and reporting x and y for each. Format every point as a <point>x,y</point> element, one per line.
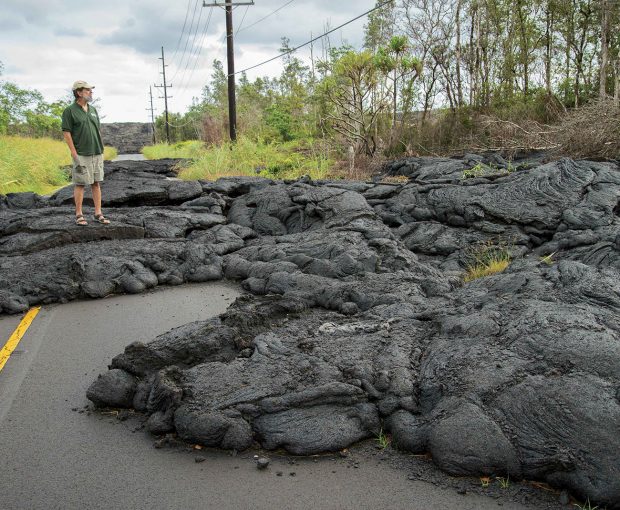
<point>549,46</point>
<point>524,48</point>
<point>569,44</point>
<point>472,76</point>
<point>478,59</point>
<point>617,83</point>
<point>458,53</point>
<point>604,47</point>
<point>394,99</point>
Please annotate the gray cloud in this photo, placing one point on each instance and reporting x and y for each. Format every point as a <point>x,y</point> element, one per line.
<point>69,32</point>
<point>147,30</point>
<point>296,21</point>
<point>11,24</point>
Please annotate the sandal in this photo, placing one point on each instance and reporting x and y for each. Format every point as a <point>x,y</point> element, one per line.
<point>79,220</point>
<point>101,219</point>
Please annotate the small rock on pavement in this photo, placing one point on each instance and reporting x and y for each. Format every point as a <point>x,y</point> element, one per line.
<point>199,459</point>
<point>262,462</point>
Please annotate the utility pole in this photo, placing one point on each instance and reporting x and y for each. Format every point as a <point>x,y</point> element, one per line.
<point>230,57</point>
<point>166,96</point>
<point>152,116</point>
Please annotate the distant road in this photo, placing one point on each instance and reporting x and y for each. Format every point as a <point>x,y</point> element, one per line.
<point>56,455</point>
<point>133,157</point>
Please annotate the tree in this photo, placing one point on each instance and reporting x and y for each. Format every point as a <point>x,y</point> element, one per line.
<point>380,27</point>
<point>353,79</point>
<point>396,62</point>
<point>25,112</point>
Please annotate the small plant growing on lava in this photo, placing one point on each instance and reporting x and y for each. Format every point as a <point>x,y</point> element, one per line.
<point>548,259</point>
<point>586,506</point>
<point>383,440</point>
<point>504,483</point>
<point>486,259</point>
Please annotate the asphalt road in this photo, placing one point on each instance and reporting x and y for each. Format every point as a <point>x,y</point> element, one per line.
<point>55,454</point>
<point>133,157</point>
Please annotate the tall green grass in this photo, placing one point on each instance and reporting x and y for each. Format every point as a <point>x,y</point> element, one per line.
<point>109,153</point>
<point>35,164</point>
<point>190,149</point>
<point>287,160</point>
<point>32,164</point>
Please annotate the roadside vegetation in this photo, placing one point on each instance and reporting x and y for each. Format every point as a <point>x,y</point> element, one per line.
<point>32,164</point>
<point>277,160</point>
<point>109,153</point>
<point>504,77</point>
<point>187,149</point>
<point>41,165</point>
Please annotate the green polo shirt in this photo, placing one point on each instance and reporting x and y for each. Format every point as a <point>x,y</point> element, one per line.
<point>84,128</point>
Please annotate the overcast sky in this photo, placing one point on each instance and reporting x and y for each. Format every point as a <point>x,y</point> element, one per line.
<point>115,45</point>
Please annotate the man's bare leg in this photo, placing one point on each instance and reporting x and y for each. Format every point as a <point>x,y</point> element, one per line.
<point>78,196</point>
<point>96,189</point>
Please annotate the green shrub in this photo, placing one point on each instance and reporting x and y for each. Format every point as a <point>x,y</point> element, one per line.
<point>190,149</point>
<point>109,153</point>
<point>273,160</point>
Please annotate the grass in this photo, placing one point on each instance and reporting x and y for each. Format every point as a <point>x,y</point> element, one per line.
<point>504,483</point>
<point>109,153</point>
<point>35,164</point>
<point>191,149</point>
<point>383,440</point>
<point>548,259</point>
<point>486,259</point>
<point>288,160</point>
<point>586,506</point>
<point>32,164</point>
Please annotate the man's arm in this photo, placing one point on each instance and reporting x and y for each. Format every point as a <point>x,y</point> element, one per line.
<point>69,140</point>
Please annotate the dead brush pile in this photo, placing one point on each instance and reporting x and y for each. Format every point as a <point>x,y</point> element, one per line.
<point>590,132</point>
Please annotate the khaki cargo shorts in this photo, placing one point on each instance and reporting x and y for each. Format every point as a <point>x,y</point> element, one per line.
<point>87,169</point>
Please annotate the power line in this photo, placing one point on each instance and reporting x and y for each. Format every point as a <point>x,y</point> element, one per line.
<point>191,51</point>
<point>314,39</point>
<point>187,41</point>
<point>242,18</point>
<point>198,52</point>
<point>265,17</point>
<point>189,3</point>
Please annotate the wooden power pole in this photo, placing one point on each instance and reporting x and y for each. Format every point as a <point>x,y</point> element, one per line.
<point>166,96</point>
<point>152,115</point>
<point>230,57</point>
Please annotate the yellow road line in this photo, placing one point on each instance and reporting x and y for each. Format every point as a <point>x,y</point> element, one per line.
<point>17,335</point>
